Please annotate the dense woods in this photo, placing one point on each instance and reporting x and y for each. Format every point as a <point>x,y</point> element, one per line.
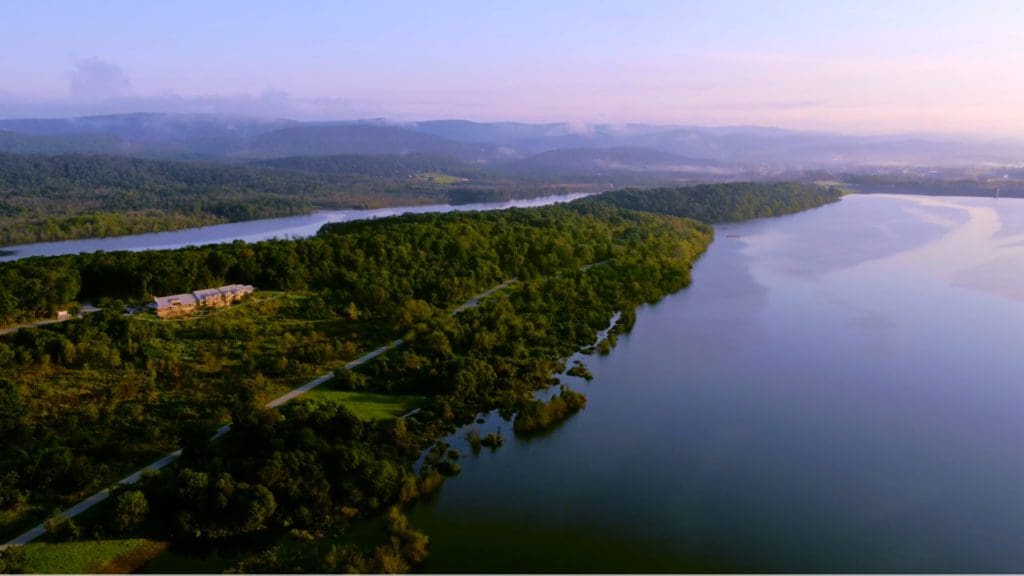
<point>47,198</point>
<point>128,388</point>
<point>715,203</point>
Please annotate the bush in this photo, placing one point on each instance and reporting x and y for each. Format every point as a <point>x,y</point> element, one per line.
<point>492,440</point>
<point>130,510</point>
<point>537,416</point>
<point>62,528</point>
<point>430,481</point>
<point>448,468</point>
<point>12,560</point>
<point>473,437</point>
<point>580,370</point>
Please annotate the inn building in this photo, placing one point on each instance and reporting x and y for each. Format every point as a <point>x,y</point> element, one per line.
<point>177,305</point>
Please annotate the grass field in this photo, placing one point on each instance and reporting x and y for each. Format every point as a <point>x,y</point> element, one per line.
<point>171,562</point>
<point>438,178</point>
<point>90,556</point>
<point>370,406</point>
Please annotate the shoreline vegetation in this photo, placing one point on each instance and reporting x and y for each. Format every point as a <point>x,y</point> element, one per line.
<point>311,486</point>
<point>70,197</point>
<point>537,416</point>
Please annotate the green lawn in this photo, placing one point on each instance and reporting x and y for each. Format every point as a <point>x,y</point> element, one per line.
<point>171,562</point>
<point>89,556</point>
<point>438,178</point>
<point>370,406</point>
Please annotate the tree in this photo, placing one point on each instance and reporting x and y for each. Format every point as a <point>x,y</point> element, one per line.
<point>12,411</point>
<point>130,510</point>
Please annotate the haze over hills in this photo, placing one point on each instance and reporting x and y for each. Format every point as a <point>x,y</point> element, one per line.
<point>629,146</point>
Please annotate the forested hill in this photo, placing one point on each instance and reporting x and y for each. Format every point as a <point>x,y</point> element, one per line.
<point>715,203</point>
<point>49,198</point>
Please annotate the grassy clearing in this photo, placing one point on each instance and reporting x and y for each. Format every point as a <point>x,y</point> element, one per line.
<point>368,405</point>
<point>171,562</point>
<point>90,556</point>
<point>438,178</point>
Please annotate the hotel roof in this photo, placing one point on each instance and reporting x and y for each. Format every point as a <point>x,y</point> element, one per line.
<point>174,300</point>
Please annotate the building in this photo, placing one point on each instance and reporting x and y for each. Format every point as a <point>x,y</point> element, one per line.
<point>184,304</point>
<point>63,315</point>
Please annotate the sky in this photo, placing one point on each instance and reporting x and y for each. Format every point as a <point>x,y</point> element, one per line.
<point>875,67</point>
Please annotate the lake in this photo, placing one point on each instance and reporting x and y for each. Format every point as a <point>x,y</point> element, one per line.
<point>254,230</point>
<point>839,390</point>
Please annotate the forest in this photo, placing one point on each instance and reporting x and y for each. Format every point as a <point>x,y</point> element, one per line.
<point>50,198</point>
<point>729,202</point>
<point>282,490</point>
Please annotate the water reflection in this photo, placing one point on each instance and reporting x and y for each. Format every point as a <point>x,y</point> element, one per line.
<point>830,395</point>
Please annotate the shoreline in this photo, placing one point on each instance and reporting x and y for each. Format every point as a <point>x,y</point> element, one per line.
<point>288,227</point>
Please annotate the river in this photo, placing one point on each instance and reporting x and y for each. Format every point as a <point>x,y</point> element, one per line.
<point>254,230</point>
<point>838,391</point>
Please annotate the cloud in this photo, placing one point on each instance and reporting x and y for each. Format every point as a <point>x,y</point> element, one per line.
<point>268,104</point>
<point>95,79</point>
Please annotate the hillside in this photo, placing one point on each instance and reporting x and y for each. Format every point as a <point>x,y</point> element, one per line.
<point>597,160</point>
<point>716,203</point>
<point>212,137</point>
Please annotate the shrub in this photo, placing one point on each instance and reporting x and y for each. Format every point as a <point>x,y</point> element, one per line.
<point>537,416</point>
<point>130,510</point>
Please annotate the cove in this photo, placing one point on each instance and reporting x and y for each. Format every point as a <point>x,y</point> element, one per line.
<point>838,391</point>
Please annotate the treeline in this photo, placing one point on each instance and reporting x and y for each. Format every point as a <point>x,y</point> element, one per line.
<point>440,258</point>
<point>498,354</point>
<point>121,386</point>
<point>309,468</point>
<point>728,202</point>
<point>124,388</point>
<point>82,402</point>
<point>48,198</point>
<point>390,166</point>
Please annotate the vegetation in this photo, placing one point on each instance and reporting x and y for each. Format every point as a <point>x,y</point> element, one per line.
<point>126,388</point>
<point>370,406</point>
<point>87,557</point>
<point>473,437</point>
<point>729,202</point>
<point>537,416</point>
<point>492,440</point>
<point>48,198</point>
<point>580,370</point>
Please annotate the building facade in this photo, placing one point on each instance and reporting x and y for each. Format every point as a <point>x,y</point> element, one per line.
<point>184,304</point>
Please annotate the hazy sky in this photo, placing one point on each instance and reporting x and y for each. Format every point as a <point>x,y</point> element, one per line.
<point>864,66</point>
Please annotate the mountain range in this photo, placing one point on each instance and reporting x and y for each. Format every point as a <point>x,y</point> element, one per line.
<point>555,147</point>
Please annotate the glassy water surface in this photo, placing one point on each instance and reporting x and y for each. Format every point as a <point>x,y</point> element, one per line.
<point>839,390</point>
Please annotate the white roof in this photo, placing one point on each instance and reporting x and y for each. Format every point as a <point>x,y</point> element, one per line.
<point>200,295</point>
<point>174,300</point>
<point>206,293</point>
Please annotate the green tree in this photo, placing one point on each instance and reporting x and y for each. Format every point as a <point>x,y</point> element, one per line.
<point>130,510</point>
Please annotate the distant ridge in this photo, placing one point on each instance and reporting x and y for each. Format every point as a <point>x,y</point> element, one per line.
<point>230,138</point>
<point>608,159</point>
<point>342,139</point>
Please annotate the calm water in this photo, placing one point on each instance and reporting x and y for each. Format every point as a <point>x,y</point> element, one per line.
<point>254,230</point>
<point>839,390</point>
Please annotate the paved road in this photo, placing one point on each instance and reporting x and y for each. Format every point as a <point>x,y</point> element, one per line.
<point>168,459</point>
<point>474,302</point>
<point>85,310</point>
